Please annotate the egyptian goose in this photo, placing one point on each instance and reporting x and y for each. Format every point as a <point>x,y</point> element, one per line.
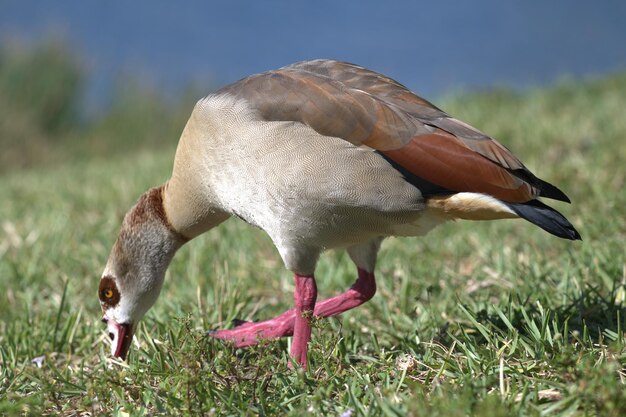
<point>319,154</point>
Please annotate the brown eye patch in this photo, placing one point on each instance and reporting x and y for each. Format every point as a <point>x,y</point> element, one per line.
<point>108,292</point>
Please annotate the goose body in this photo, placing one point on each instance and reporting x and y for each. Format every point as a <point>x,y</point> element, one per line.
<point>320,155</point>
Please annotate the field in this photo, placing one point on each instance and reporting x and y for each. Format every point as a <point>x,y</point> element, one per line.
<point>485,319</point>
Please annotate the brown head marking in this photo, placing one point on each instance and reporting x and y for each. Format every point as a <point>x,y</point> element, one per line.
<point>150,204</point>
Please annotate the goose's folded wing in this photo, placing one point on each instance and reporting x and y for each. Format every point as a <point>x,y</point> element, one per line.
<point>368,109</point>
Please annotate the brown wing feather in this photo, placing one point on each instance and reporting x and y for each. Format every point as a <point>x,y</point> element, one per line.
<point>457,169</point>
<point>394,93</point>
<point>366,108</point>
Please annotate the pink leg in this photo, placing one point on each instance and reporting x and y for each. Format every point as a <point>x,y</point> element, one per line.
<point>250,333</point>
<point>361,291</point>
<point>304,297</point>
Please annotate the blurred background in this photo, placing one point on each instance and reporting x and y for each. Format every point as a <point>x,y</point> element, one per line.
<point>92,78</point>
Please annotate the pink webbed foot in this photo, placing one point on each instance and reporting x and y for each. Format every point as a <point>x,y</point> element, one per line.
<point>250,333</point>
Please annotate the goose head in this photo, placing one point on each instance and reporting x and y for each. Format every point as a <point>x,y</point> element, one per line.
<point>133,276</point>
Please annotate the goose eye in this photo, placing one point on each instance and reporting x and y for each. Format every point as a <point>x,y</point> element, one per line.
<point>108,292</point>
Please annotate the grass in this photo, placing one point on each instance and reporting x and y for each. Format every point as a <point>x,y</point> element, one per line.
<point>485,319</point>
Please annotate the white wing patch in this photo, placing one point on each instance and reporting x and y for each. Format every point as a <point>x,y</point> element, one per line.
<point>471,206</point>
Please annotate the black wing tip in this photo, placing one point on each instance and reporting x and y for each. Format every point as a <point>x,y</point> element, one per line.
<point>546,189</point>
<point>546,217</point>
<point>550,191</point>
<point>571,234</point>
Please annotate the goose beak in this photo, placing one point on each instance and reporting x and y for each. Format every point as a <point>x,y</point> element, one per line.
<point>121,336</point>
